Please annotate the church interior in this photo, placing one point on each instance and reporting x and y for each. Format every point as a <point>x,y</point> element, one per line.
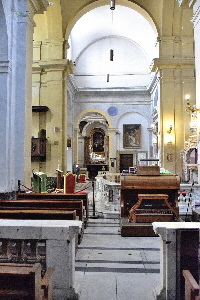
<point>100,149</point>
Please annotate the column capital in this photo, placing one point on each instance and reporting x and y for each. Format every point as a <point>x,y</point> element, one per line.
<point>171,63</point>
<point>114,130</point>
<point>38,6</point>
<point>54,65</point>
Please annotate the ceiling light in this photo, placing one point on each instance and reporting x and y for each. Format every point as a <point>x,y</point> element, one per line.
<point>112,4</point>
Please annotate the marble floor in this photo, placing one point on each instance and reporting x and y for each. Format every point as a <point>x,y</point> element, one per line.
<point>111,267</point>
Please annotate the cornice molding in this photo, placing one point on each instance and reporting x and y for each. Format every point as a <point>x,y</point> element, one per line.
<point>5,66</point>
<point>38,6</point>
<point>186,3</point>
<point>171,63</point>
<point>56,64</point>
<point>196,17</point>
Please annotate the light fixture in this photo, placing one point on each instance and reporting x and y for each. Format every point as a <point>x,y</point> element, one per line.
<point>170,129</point>
<point>111,54</point>
<point>168,140</point>
<point>112,4</point>
<point>190,109</point>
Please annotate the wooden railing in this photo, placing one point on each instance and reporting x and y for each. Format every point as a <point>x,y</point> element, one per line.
<point>191,286</point>
<point>23,251</point>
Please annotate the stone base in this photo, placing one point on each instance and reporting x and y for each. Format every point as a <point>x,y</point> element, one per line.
<point>8,196</point>
<point>136,229</point>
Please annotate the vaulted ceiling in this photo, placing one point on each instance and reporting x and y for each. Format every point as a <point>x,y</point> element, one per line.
<point>124,30</point>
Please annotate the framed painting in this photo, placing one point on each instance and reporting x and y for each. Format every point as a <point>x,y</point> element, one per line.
<point>131,136</point>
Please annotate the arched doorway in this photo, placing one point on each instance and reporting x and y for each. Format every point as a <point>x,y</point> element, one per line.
<point>93,143</point>
<point>114,85</point>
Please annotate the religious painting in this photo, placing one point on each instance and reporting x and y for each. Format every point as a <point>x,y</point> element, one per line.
<point>170,157</point>
<point>98,141</point>
<point>132,136</point>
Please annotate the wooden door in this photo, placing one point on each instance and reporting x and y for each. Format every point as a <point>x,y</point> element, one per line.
<point>126,161</point>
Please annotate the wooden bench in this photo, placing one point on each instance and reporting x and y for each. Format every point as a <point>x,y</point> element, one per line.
<point>50,204</point>
<point>191,286</point>
<point>37,214</point>
<point>44,209</point>
<point>24,282</point>
<point>59,196</point>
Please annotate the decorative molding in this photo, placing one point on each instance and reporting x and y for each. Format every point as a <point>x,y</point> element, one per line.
<point>186,3</point>
<point>171,63</point>
<point>5,67</point>
<point>38,6</point>
<point>196,17</point>
<point>54,64</point>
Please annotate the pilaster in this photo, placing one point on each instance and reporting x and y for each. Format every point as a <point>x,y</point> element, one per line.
<point>49,86</point>
<point>112,148</point>
<point>176,77</point>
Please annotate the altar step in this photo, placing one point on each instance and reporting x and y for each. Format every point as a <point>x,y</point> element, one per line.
<point>136,229</point>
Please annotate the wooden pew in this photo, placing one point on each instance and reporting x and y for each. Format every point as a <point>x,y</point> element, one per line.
<point>191,286</point>
<point>24,282</point>
<point>59,196</point>
<point>44,209</point>
<point>37,214</point>
<point>50,204</point>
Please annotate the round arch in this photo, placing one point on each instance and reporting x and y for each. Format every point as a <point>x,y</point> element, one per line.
<point>99,3</point>
<point>81,115</point>
<point>147,118</point>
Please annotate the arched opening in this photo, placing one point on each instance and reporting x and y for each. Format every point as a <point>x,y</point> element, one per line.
<point>93,143</point>
<point>112,54</point>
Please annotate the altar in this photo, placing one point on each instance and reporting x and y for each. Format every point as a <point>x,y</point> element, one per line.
<point>93,169</point>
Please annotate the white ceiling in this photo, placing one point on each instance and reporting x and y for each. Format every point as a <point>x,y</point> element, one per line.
<point>125,30</point>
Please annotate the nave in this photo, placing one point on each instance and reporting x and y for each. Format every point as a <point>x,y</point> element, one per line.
<point>111,267</point>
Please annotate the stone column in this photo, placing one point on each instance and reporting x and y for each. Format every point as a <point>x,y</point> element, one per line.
<point>76,146</point>
<point>16,94</point>
<point>176,77</point>
<point>112,149</point>
<point>196,25</point>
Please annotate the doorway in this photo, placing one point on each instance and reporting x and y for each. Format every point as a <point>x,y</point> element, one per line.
<point>126,161</point>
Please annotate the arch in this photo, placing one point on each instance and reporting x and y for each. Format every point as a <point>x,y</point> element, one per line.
<point>148,119</point>
<point>81,115</point>
<point>99,3</point>
<point>3,35</point>
<point>113,37</point>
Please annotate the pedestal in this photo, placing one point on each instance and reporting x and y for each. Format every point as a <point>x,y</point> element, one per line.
<point>174,251</point>
<point>60,248</point>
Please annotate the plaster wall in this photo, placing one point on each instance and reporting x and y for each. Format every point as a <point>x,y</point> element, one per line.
<point>93,65</point>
